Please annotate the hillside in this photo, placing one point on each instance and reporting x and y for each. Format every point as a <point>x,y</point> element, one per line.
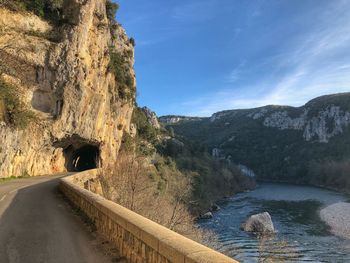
<point>279,143</point>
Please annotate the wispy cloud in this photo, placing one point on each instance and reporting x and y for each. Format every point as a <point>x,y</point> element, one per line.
<point>194,11</point>
<point>236,72</point>
<point>314,65</point>
<point>150,42</point>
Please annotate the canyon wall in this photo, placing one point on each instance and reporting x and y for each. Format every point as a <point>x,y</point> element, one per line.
<point>64,76</point>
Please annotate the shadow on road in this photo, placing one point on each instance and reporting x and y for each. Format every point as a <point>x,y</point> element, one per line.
<point>38,226</point>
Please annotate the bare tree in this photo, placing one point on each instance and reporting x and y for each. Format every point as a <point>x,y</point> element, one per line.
<point>127,182</point>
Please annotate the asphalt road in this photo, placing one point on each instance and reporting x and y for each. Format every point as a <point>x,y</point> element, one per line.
<point>37,225</point>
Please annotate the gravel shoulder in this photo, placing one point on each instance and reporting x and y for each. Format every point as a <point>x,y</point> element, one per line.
<point>337,216</point>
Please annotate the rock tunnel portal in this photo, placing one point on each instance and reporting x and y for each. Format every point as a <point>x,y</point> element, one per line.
<point>80,154</point>
<point>83,158</point>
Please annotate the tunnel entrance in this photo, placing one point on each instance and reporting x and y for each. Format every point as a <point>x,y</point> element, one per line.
<point>80,154</point>
<point>84,158</point>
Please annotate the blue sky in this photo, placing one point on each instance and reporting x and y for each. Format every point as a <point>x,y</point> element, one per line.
<point>197,57</point>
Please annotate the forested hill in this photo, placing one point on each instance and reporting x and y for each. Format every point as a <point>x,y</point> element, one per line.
<point>308,144</point>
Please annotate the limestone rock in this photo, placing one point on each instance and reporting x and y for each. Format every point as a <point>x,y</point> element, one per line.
<point>246,171</point>
<point>282,121</point>
<point>329,122</point>
<point>151,117</point>
<point>68,84</point>
<point>259,223</point>
<point>207,215</point>
<point>216,153</point>
<point>172,119</point>
<point>133,130</point>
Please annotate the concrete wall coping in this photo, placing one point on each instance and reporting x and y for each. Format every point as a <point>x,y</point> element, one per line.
<point>171,245</point>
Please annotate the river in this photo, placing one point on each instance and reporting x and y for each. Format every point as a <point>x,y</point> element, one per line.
<point>301,236</point>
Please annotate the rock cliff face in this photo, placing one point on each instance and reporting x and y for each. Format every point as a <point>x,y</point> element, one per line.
<point>151,117</point>
<point>68,83</point>
<point>172,119</point>
<point>277,142</point>
<point>328,123</point>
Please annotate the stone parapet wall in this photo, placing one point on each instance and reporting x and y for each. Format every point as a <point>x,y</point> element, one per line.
<point>137,238</point>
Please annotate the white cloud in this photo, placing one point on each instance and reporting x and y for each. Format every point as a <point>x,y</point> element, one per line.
<point>236,72</point>
<point>317,65</point>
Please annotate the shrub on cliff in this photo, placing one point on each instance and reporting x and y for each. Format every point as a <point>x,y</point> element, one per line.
<point>132,41</point>
<point>15,112</point>
<point>111,9</point>
<point>47,9</point>
<point>144,129</point>
<point>119,66</point>
<point>146,136</point>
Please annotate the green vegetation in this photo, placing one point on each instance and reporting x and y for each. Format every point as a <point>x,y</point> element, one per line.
<point>132,41</point>
<point>6,179</point>
<point>156,170</point>
<point>146,136</point>
<point>210,179</point>
<point>145,130</point>
<point>119,64</point>
<point>342,100</point>
<point>15,112</point>
<point>331,174</point>
<point>111,9</point>
<point>47,9</point>
<point>120,67</point>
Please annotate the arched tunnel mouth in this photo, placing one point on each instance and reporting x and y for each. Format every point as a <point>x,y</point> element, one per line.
<point>80,154</point>
<point>83,158</point>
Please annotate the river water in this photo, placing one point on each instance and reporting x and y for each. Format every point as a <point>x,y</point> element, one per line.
<point>301,236</point>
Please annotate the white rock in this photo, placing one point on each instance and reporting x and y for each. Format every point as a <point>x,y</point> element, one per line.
<point>259,223</point>
<point>207,215</point>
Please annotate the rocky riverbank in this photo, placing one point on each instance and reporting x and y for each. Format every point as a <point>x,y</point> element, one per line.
<point>337,216</point>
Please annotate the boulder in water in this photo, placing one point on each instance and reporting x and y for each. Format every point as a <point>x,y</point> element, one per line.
<point>215,208</point>
<point>259,223</point>
<point>207,215</point>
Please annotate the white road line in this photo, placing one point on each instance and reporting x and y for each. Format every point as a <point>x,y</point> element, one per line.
<point>13,191</point>
<point>2,198</point>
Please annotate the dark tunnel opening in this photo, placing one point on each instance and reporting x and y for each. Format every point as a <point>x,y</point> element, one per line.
<point>83,158</point>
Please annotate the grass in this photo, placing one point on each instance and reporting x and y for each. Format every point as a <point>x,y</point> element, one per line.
<point>11,178</point>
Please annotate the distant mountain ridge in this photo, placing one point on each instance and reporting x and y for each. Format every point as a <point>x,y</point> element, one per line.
<point>277,142</point>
